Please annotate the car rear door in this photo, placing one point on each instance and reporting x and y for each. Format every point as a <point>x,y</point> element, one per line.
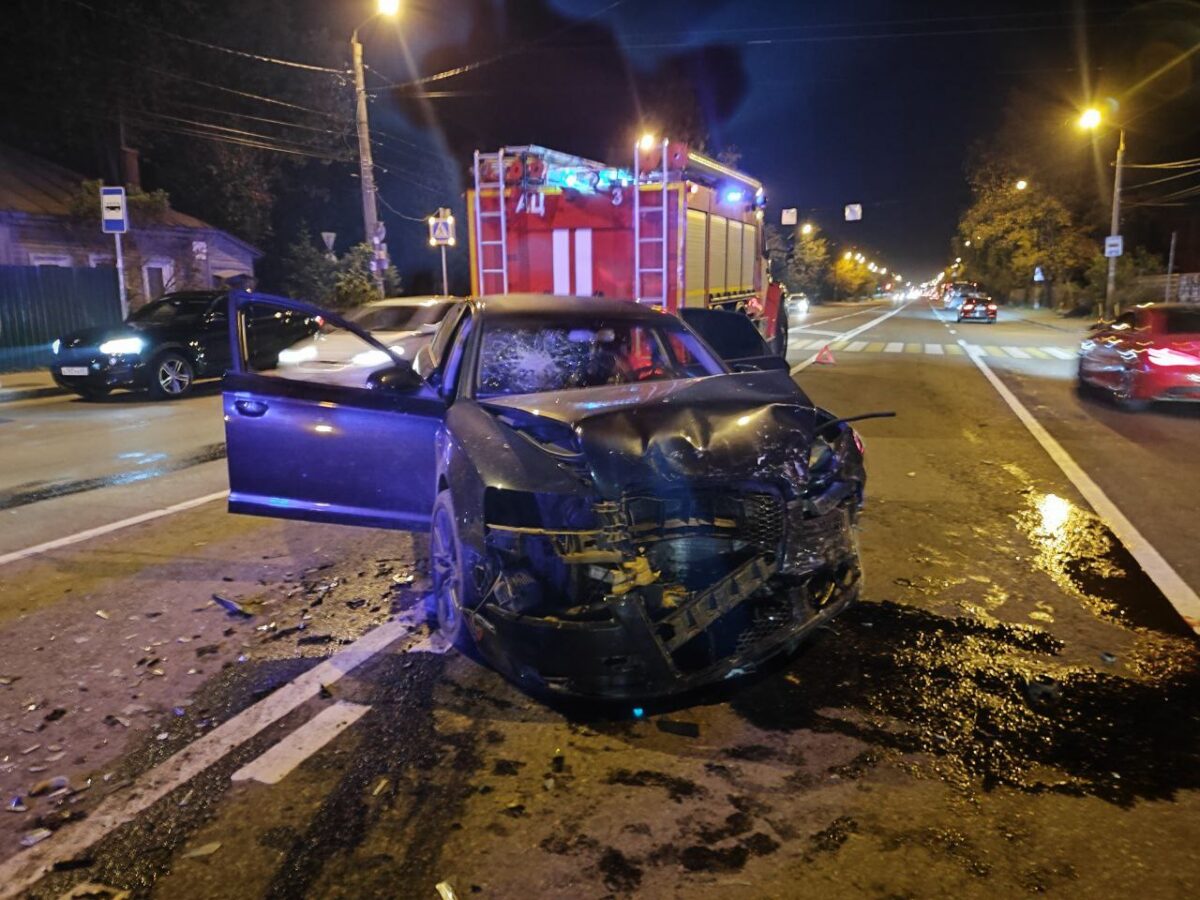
<point>323,439</point>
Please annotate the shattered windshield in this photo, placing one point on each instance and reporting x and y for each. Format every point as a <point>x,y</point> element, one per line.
<point>530,355</point>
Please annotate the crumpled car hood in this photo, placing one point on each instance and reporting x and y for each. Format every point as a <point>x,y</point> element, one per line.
<point>658,434</point>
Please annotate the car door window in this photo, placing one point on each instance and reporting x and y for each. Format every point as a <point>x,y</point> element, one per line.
<point>285,343</point>
<point>458,349</point>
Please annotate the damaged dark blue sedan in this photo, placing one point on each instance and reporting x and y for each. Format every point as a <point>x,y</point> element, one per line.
<point>613,511</point>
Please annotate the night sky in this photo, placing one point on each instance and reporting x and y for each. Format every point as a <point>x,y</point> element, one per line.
<point>828,102</point>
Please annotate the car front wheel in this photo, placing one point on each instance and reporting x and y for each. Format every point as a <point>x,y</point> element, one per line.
<point>171,376</point>
<point>1125,395</point>
<point>449,580</point>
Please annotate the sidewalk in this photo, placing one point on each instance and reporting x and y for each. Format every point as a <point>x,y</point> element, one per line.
<point>27,385</point>
<point>1048,318</point>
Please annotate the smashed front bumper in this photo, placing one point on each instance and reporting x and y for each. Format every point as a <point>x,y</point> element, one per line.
<point>646,635</point>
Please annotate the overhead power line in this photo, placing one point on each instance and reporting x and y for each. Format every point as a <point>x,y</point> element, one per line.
<point>291,63</point>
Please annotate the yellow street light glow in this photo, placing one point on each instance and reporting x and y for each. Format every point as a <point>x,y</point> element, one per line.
<point>1022,184</point>
<point>806,228</point>
<point>883,271</point>
<point>848,255</point>
<point>647,142</point>
<point>1090,118</point>
<point>966,243</point>
<point>388,7</point>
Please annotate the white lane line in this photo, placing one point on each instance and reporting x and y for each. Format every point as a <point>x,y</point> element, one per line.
<point>934,349</point>
<point>1059,352</point>
<point>1174,588</point>
<point>804,332</point>
<point>849,315</point>
<point>894,347</point>
<point>856,346</point>
<point>852,333</point>
<point>1015,352</point>
<point>23,870</point>
<point>817,344</point>
<point>90,533</point>
<point>278,762</point>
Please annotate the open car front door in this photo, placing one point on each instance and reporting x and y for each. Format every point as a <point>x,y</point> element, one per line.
<point>323,422</point>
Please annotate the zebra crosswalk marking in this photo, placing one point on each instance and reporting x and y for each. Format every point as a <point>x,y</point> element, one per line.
<point>933,349</point>
<point>856,346</point>
<point>1059,352</point>
<point>1015,352</point>
<point>894,347</point>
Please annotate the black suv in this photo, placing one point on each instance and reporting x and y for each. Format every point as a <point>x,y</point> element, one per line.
<point>163,347</point>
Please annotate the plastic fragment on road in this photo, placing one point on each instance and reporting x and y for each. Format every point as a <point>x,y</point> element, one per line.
<point>35,837</point>
<point>380,787</point>
<point>203,850</point>
<point>90,890</point>
<point>50,784</point>
<point>445,891</point>
<point>1108,658</point>
<point>1043,690</point>
<point>102,614</point>
<point>232,606</point>
<point>17,805</point>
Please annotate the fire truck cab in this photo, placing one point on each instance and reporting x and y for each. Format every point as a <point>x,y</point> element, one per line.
<point>676,230</point>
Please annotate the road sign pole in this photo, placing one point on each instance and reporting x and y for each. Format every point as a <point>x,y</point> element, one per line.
<point>1110,287</point>
<point>121,277</point>
<point>445,279</point>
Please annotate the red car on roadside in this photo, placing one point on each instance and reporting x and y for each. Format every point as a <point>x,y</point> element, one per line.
<point>1149,353</point>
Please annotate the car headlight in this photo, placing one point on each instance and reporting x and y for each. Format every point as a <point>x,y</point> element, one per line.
<point>56,346</point>
<point>122,346</point>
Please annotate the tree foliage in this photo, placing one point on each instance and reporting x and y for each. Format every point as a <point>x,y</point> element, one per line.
<point>1007,234</point>
<point>315,275</point>
<point>852,279</point>
<point>808,265</point>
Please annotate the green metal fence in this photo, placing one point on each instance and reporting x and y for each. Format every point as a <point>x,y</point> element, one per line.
<point>41,303</point>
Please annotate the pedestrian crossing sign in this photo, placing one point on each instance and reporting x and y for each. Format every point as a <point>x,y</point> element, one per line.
<point>441,229</point>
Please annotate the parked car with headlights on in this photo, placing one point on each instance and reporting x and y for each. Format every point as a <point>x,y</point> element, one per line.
<point>164,347</point>
<point>613,511</point>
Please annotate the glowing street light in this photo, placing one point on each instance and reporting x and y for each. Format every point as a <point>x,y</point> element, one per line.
<point>806,228</point>
<point>388,7</point>
<point>1090,118</point>
<point>646,144</point>
<point>1022,184</point>
<point>848,255</point>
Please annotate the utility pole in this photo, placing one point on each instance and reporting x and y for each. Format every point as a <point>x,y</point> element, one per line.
<point>366,168</point>
<point>1111,288</point>
<point>1170,267</point>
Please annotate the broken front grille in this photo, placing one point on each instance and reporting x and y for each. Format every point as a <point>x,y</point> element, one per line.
<point>757,518</point>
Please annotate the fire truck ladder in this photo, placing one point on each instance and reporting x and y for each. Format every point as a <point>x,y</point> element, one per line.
<point>482,215</point>
<point>656,262</point>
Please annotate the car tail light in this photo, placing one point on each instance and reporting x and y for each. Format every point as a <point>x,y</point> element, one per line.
<point>1165,356</point>
<point>992,307</point>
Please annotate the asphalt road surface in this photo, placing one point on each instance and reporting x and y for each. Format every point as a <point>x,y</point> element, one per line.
<point>1014,708</point>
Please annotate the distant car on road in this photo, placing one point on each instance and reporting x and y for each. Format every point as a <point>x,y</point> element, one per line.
<point>797,304</point>
<point>977,309</point>
<point>954,293</point>
<point>1147,354</point>
<point>163,347</point>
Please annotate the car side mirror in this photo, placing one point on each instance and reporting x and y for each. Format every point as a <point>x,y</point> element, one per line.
<point>399,378</point>
<point>762,364</point>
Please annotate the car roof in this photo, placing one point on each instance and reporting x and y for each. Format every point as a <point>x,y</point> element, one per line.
<point>504,305</point>
<point>413,301</point>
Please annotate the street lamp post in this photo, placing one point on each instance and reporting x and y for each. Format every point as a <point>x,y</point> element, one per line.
<point>1090,120</point>
<point>1111,286</point>
<point>366,167</point>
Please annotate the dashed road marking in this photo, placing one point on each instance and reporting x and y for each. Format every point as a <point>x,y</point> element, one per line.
<point>99,530</point>
<point>23,870</point>
<point>1059,352</point>
<point>875,347</point>
<point>894,347</point>
<point>1015,352</point>
<point>278,762</point>
<point>934,349</point>
<point>856,346</point>
<point>913,348</point>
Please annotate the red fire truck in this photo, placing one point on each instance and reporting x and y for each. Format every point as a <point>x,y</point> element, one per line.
<point>676,230</point>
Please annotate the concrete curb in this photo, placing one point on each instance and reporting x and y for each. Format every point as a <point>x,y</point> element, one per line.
<point>30,394</point>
